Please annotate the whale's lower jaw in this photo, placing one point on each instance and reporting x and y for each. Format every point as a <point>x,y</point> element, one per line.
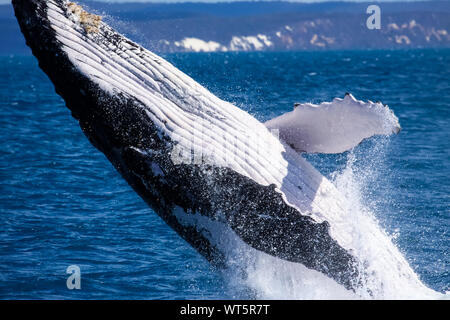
<point>117,125</point>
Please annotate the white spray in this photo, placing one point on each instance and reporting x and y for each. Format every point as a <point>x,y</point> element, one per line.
<point>389,275</point>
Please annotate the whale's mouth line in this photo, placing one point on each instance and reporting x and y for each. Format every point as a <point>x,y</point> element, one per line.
<point>139,110</point>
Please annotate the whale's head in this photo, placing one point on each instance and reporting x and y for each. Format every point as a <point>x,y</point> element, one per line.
<point>127,98</point>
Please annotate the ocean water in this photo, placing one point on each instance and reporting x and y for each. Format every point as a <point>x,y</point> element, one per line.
<point>62,203</point>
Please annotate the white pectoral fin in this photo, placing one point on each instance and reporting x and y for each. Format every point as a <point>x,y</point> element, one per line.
<point>334,127</point>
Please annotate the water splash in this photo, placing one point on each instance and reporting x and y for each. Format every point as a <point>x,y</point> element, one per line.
<point>388,274</point>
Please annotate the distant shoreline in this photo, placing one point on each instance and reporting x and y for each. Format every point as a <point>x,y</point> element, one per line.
<point>262,26</point>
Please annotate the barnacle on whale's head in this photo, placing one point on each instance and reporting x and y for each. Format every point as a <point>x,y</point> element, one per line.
<point>90,22</point>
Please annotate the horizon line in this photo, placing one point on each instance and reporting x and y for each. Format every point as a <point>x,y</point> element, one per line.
<point>3,2</point>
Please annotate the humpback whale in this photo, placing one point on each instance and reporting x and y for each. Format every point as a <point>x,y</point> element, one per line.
<point>199,161</point>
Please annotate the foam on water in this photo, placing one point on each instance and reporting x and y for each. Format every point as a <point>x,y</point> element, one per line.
<point>389,276</point>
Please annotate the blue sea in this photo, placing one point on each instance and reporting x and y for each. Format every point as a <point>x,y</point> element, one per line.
<point>62,203</point>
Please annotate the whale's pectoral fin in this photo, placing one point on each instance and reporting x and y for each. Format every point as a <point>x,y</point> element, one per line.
<point>334,127</point>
